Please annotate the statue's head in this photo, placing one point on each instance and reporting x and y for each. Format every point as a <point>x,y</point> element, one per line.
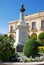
<point>22,9</point>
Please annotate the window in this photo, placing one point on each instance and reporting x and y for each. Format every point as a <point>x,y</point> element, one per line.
<point>33,25</point>
<point>11,28</point>
<point>42,24</point>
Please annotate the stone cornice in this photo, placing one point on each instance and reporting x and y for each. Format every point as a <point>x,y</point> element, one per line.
<point>14,22</point>
<point>34,16</point>
<point>30,17</point>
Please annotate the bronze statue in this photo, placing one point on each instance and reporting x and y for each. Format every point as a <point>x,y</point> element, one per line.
<point>22,9</point>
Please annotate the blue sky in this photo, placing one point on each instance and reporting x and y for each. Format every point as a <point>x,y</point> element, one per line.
<point>9,10</point>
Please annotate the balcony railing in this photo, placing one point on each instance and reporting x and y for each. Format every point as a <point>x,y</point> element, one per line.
<point>34,30</point>
<point>42,29</point>
<point>12,31</point>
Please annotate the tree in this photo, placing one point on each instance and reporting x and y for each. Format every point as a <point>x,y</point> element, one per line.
<point>6,48</point>
<point>31,47</point>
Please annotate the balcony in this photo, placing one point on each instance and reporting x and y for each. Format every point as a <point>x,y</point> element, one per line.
<point>42,29</point>
<point>34,30</point>
<point>12,31</point>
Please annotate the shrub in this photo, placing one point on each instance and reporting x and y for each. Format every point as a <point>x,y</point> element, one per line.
<point>6,48</point>
<point>31,47</point>
<point>34,35</point>
<point>6,52</point>
<point>41,36</point>
<point>28,36</point>
<point>40,43</point>
<point>41,49</point>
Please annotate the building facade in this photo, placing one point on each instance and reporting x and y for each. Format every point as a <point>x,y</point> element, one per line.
<point>34,21</point>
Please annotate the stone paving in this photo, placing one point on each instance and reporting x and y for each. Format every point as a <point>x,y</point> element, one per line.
<point>30,63</point>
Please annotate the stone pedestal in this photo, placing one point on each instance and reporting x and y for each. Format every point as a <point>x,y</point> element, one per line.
<point>19,48</point>
<point>21,31</point>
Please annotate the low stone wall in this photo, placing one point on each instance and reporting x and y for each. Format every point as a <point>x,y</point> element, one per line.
<point>30,63</point>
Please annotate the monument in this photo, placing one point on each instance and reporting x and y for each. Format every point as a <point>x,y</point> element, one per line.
<point>21,31</point>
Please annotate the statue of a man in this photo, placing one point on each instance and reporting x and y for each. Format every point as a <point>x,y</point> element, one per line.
<point>22,9</point>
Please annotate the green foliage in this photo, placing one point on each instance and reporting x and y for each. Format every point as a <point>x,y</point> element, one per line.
<point>6,48</point>
<point>40,43</point>
<point>34,35</point>
<point>31,47</point>
<point>28,36</point>
<point>41,49</point>
<point>40,39</point>
<point>41,36</point>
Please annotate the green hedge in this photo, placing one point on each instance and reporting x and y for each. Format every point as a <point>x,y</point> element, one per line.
<point>40,43</point>
<point>31,47</point>
<point>41,36</point>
